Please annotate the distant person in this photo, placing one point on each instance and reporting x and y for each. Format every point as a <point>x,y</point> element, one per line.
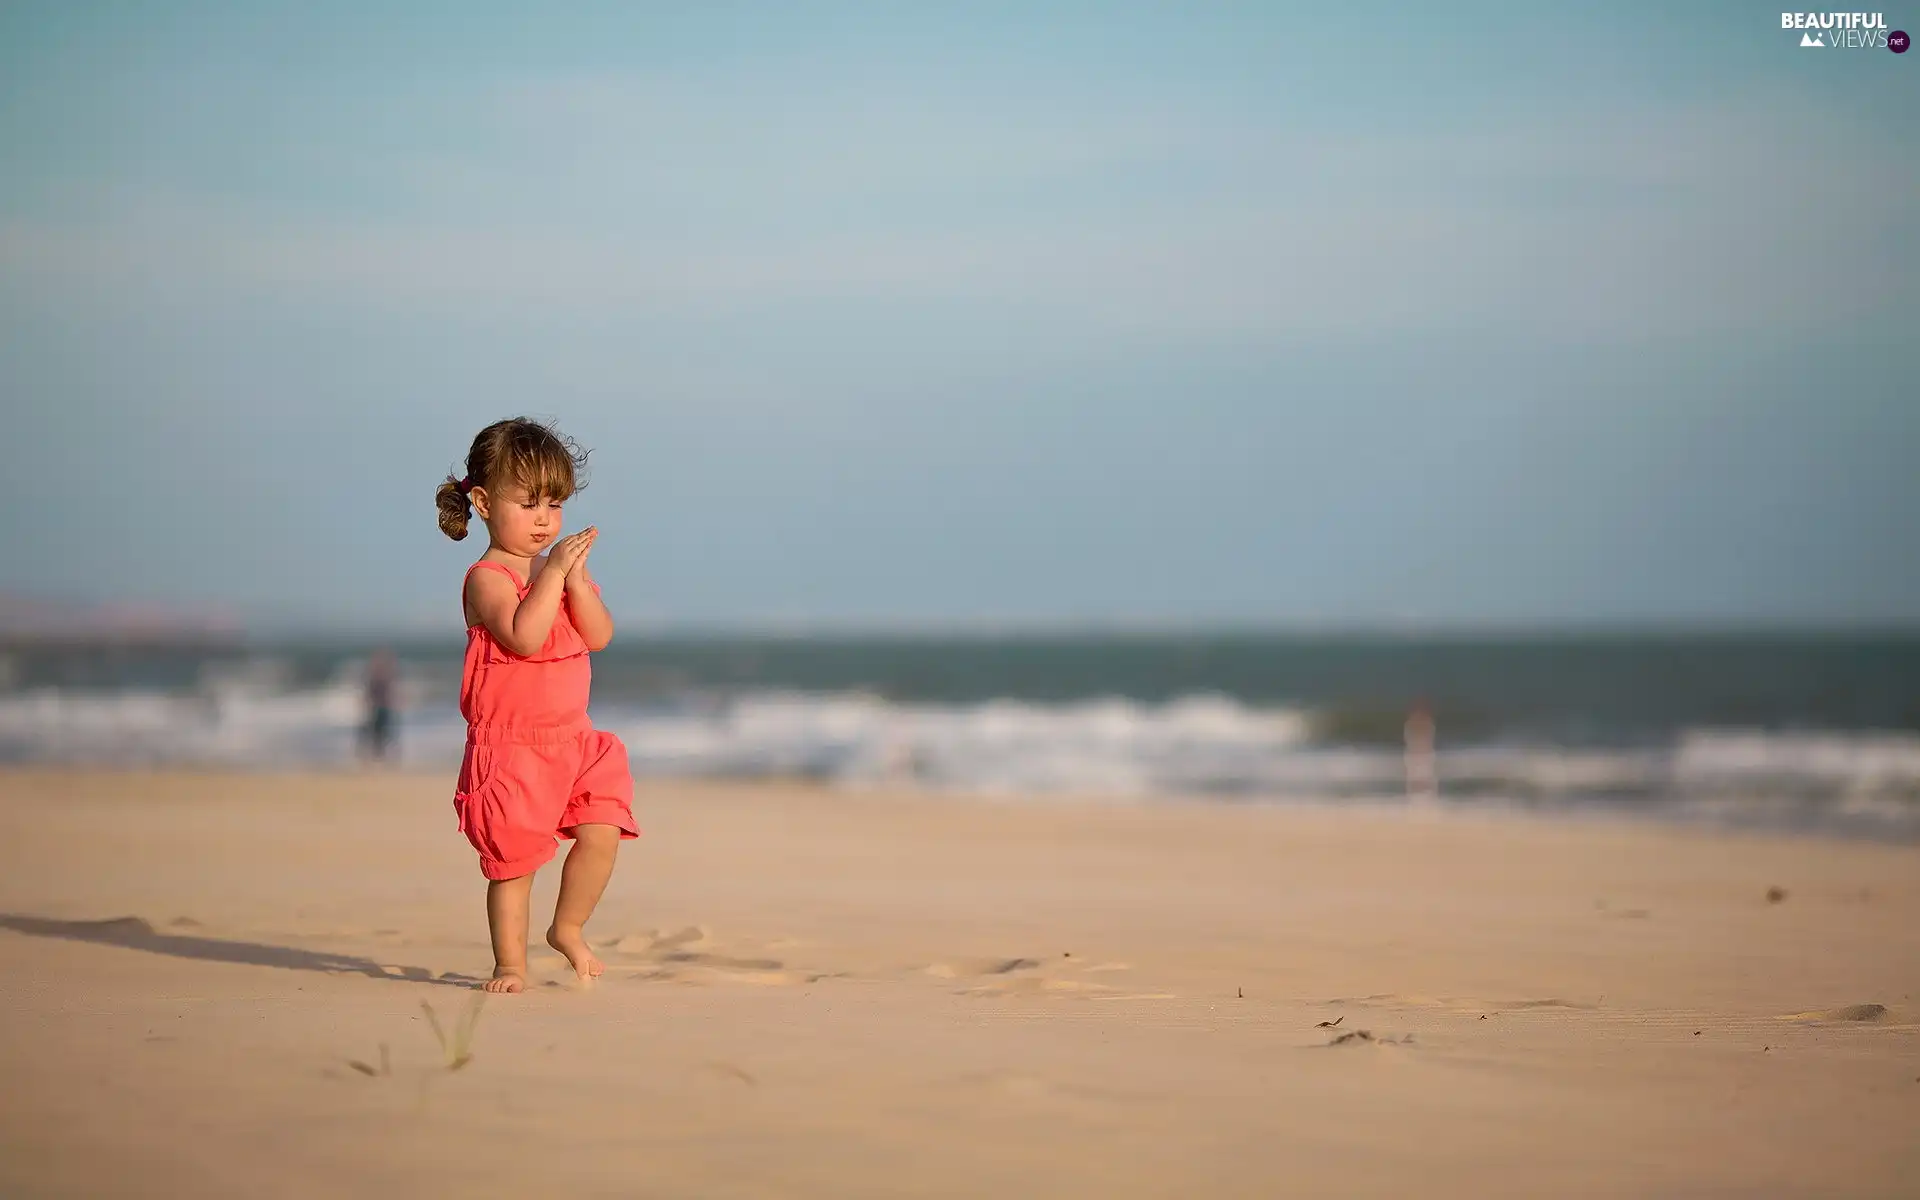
<point>1423,783</point>
<point>377,734</point>
<point>536,770</point>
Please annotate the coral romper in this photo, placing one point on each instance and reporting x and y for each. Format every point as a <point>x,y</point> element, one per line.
<point>535,766</point>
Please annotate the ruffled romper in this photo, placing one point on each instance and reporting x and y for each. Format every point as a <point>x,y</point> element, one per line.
<point>535,766</point>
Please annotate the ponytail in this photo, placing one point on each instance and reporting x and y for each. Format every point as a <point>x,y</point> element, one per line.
<point>455,511</point>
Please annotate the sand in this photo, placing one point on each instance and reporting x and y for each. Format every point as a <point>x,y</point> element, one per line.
<point>219,985</point>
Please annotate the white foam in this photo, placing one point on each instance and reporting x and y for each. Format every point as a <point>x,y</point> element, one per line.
<point>1194,745</point>
<point>1865,760</point>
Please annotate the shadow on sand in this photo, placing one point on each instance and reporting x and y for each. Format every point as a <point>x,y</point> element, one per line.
<point>132,933</point>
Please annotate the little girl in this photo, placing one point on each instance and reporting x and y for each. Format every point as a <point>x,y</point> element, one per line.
<point>536,769</point>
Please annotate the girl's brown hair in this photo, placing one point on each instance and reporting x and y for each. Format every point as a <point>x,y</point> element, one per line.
<point>520,451</point>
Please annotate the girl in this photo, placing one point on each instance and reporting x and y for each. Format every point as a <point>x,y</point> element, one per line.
<point>535,768</point>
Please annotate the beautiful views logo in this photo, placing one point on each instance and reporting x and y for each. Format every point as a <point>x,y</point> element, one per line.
<point>1845,31</point>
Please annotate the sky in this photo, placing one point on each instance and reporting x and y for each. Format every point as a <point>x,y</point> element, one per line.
<point>1026,314</point>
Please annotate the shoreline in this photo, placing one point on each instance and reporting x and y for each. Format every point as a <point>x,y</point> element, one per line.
<point>1650,814</point>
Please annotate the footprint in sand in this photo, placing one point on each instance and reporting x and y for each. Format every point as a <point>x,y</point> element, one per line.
<point>968,968</point>
<point>1023,976</point>
<point>1857,1013</point>
<point>1454,1003</point>
<point>1354,1037</point>
<point>691,955</point>
<point>652,944</point>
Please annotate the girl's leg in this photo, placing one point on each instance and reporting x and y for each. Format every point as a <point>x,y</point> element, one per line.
<point>507,919</point>
<point>589,865</point>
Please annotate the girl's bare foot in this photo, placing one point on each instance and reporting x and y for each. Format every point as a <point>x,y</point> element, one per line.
<point>506,981</point>
<point>573,943</point>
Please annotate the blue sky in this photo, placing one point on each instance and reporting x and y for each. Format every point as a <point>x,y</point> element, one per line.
<point>1451,315</point>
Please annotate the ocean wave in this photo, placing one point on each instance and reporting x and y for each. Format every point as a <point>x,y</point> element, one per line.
<point>1194,746</point>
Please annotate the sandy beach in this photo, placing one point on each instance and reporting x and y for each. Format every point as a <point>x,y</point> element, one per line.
<point>221,985</point>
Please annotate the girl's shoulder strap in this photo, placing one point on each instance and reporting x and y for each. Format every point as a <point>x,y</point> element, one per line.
<point>519,584</point>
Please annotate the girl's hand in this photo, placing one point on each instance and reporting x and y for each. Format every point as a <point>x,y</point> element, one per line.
<point>570,550</point>
<point>578,571</point>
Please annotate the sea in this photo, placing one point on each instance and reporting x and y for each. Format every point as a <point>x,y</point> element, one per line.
<point>1802,731</point>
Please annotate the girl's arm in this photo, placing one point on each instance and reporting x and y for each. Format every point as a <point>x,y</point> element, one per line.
<point>520,625</point>
<point>590,615</point>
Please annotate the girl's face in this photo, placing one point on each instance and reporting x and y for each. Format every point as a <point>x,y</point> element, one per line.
<point>520,522</point>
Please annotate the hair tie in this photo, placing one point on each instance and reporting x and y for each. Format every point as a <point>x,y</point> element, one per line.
<point>465,485</point>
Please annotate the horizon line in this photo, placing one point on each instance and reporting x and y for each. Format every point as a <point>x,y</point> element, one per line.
<point>885,629</point>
